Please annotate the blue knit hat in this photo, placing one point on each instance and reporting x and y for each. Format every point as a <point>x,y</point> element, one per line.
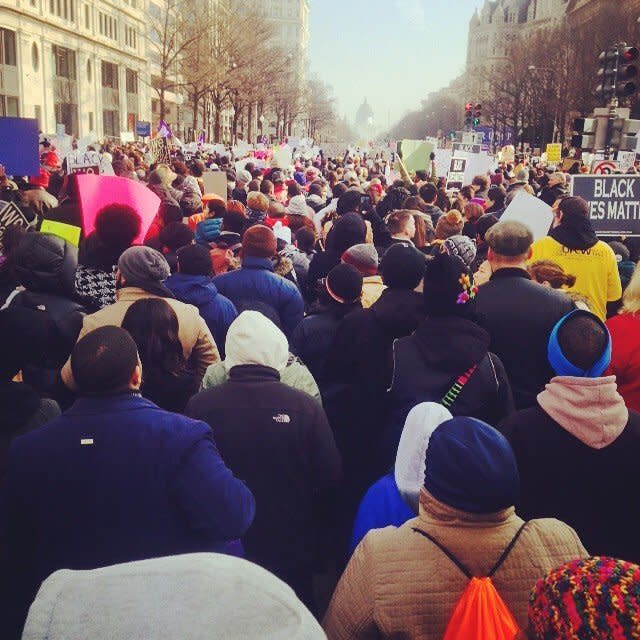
<point>208,230</point>
<point>470,466</point>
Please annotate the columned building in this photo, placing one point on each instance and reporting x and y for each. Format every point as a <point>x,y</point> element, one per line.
<point>77,63</point>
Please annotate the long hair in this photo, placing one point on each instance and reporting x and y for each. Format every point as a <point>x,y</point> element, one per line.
<point>631,297</point>
<point>153,325</point>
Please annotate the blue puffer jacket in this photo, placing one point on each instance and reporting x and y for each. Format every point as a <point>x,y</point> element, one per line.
<point>216,310</point>
<point>254,283</point>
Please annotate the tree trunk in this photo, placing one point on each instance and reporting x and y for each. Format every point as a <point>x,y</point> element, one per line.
<point>196,104</point>
<point>216,125</point>
<point>249,122</point>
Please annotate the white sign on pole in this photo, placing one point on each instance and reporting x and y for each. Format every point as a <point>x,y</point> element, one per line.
<point>532,212</point>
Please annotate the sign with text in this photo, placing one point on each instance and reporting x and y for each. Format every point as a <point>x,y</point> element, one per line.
<point>143,129</point>
<point>455,176</point>
<point>466,148</point>
<point>554,153</point>
<point>159,150</point>
<point>83,162</point>
<point>614,203</point>
<point>10,215</point>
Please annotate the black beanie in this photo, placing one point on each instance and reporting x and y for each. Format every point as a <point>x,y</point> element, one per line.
<point>402,267</point>
<point>103,361</point>
<point>344,284</point>
<point>176,235</point>
<point>194,260</point>
<point>448,287</point>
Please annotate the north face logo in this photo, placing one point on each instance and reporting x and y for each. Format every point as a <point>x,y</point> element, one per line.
<point>282,417</point>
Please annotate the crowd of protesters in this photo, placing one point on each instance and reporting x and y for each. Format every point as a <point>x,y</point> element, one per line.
<point>323,381</point>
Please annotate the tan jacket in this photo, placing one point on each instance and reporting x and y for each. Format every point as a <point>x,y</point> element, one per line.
<point>399,584</point>
<point>372,288</point>
<point>197,342</point>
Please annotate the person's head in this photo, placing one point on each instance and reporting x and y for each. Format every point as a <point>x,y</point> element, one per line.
<point>409,468</point>
<point>194,260</point>
<point>481,183</point>
<point>343,287</point>
<point>470,467</point>
<point>429,193</point>
<point>579,345</point>
<point>496,196</point>
<point>153,325</point>
<point>620,251</point>
<point>551,274</point>
<point>169,213</point>
<point>571,212</point>
<point>236,206</point>
<point>257,201</point>
<point>253,339</point>
<point>338,189</point>
<point>162,175</point>
<point>143,267</point>
<point>414,203</point>
<point>180,168</point>
<point>631,296</point>
<point>316,189</point>
<point>473,211</point>
<point>217,207</point>
<point>402,267</point>
<point>259,241</point>
<point>349,201</point>
<point>105,362</point>
<point>461,247</point>
<point>509,245</point>
<point>243,178</point>
<point>448,288</point>
<point>293,189</point>
<point>176,235</point>
<point>363,257</point>
<point>482,226</point>
<point>234,222</point>
<point>254,185</point>
<point>557,178</point>
<point>449,224</point>
<point>348,229</point>
<point>305,239</point>
<point>466,194</point>
<point>266,187</point>
<point>401,224</point>
<point>595,598</point>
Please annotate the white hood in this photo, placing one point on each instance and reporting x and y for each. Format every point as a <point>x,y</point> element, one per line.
<point>253,339</point>
<point>410,459</point>
<point>192,597</point>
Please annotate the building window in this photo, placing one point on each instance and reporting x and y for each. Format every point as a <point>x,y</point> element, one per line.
<point>9,106</point>
<point>37,114</point>
<point>90,120</point>
<point>89,71</point>
<point>65,61</point>
<point>132,81</point>
<point>130,37</point>
<point>109,75</point>
<point>108,26</point>
<point>7,47</point>
<point>67,114</point>
<point>110,120</point>
<point>87,17</point>
<point>35,57</point>
<point>64,9</point>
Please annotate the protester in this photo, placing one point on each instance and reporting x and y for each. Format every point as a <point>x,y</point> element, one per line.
<point>585,439</point>
<point>554,189</point>
<point>141,273</point>
<point>256,282</point>
<point>37,196</point>
<point>160,182</point>
<point>364,257</point>
<point>573,244</point>
<point>173,237</point>
<point>113,479</point>
<point>192,284</point>
<point>512,307</point>
<point>462,247</point>
<point>298,456</point>
<point>624,262</point>
<point>429,194</point>
<point>402,227</point>
<point>466,512</point>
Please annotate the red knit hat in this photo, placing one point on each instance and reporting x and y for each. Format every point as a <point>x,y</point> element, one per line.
<point>51,160</point>
<point>259,242</point>
<point>41,180</point>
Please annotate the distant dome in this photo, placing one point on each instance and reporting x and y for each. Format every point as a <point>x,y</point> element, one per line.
<point>364,115</point>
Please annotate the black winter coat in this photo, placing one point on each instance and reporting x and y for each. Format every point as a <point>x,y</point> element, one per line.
<point>277,439</point>
<point>519,315</point>
<point>428,363</point>
<point>591,490</point>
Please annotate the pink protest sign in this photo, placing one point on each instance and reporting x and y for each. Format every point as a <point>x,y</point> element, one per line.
<point>99,191</point>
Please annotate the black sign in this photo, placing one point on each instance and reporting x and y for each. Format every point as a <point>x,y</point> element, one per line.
<point>467,148</point>
<point>614,203</point>
<point>10,215</point>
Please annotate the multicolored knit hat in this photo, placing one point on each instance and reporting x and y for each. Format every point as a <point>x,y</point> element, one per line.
<point>596,598</point>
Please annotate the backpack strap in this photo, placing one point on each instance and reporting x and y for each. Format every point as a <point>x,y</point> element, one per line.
<point>455,390</point>
<point>459,564</point>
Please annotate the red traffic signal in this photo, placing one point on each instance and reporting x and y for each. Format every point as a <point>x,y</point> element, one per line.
<point>629,54</point>
<point>468,106</point>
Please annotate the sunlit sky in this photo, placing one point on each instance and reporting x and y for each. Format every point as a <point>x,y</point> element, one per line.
<point>393,52</point>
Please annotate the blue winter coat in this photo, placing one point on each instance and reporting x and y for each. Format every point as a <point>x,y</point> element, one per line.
<point>256,282</point>
<point>382,506</point>
<point>114,479</point>
<point>216,310</point>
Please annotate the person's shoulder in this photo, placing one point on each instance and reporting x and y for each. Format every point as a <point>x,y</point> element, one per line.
<point>549,535</point>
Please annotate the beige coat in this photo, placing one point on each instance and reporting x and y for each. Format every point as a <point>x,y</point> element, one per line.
<point>398,584</point>
<point>372,288</point>
<point>197,342</point>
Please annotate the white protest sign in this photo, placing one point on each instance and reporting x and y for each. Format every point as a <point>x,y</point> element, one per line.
<point>456,173</point>
<point>127,136</point>
<point>83,162</point>
<point>443,160</point>
<point>282,156</point>
<point>532,212</point>
<point>625,160</point>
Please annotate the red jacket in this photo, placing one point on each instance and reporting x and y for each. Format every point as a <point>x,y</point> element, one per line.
<point>625,358</point>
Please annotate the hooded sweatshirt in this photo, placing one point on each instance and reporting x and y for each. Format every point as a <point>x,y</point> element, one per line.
<point>394,499</point>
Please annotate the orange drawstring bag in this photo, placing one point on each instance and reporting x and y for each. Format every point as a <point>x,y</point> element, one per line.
<point>480,612</point>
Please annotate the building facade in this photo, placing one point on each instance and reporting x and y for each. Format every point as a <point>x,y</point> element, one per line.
<point>77,63</point>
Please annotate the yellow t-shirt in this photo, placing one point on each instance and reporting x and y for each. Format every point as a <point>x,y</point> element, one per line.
<point>595,269</point>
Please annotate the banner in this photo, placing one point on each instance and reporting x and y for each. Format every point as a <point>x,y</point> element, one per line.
<point>10,215</point>
<point>614,203</point>
<point>19,146</point>
<point>159,151</point>
<point>83,162</point>
<point>554,153</point>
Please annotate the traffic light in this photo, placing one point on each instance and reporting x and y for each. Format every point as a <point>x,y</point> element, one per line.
<point>618,72</point>
<point>607,73</point>
<point>623,134</point>
<point>477,114</point>
<point>468,114</point>
<point>584,133</point>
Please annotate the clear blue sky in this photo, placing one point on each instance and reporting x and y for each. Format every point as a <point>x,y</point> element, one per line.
<point>394,52</point>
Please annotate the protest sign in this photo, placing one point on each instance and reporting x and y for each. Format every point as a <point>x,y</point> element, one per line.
<point>83,162</point>
<point>443,160</point>
<point>282,156</point>
<point>215,182</point>
<point>604,167</point>
<point>68,232</point>
<point>532,212</point>
<point>10,215</point>
<point>415,154</point>
<point>143,129</point>
<point>159,151</point>
<point>97,192</point>
<point>554,153</point>
<point>466,148</point>
<point>571,164</point>
<point>19,146</point>
<point>455,175</point>
<point>625,160</point>
<point>614,203</point>
<point>127,136</point>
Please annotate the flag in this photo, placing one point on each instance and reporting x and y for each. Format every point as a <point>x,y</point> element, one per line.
<point>201,137</point>
<point>164,130</point>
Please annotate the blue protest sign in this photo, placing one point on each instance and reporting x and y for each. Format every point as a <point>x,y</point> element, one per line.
<point>19,146</point>
<point>143,129</point>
